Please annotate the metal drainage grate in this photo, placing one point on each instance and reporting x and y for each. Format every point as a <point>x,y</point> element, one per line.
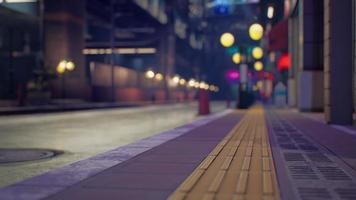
<point>278,129</point>
<point>303,172</point>
<point>291,130</point>
<point>346,193</point>
<point>313,193</point>
<point>281,135</point>
<point>306,147</point>
<point>295,135</point>
<point>288,146</point>
<point>318,157</point>
<point>284,140</point>
<point>314,175</point>
<point>301,140</point>
<point>289,157</point>
<point>22,155</point>
<point>334,174</point>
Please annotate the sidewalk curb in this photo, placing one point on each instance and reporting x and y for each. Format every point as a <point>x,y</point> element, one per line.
<point>54,181</point>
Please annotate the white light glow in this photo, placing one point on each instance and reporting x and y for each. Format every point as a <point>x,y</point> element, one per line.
<point>150,74</point>
<point>18,1</point>
<point>270,12</point>
<point>94,51</point>
<point>176,79</point>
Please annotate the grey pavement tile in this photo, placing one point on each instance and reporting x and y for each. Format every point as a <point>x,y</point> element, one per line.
<point>134,181</point>
<point>111,194</point>
<point>154,168</point>
<point>122,153</point>
<point>27,192</point>
<point>153,158</point>
<point>69,174</point>
<point>149,142</point>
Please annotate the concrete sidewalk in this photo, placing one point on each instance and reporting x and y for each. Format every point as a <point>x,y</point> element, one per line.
<point>312,161</point>
<point>148,169</point>
<point>64,106</point>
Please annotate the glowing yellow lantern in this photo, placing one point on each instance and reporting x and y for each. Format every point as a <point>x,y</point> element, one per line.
<point>70,66</point>
<point>176,79</point>
<point>258,66</point>
<point>61,68</point>
<point>236,58</point>
<point>256,31</point>
<point>257,53</point>
<point>191,83</point>
<point>159,77</point>
<point>227,39</point>
<point>182,81</point>
<point>150,74</point>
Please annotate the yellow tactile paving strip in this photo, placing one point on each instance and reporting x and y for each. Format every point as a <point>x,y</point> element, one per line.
<point>240,166</point>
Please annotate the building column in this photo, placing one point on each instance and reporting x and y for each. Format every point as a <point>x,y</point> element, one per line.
<point>293,48</point>
<point>310,75</point>
<point>167,53</point>
<point>338,58</point>
<point>354,53</point>
<point>64,40</point>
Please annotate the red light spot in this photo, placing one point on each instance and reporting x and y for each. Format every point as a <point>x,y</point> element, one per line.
<point>284,62</point>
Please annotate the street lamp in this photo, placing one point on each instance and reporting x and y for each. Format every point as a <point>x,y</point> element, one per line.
<point>63,67</point>
<point>257,53</point>
<point>176,79</point>
<point>191,83</point>
<point>182,81</point>
<point>227,39</point>
<point>256,31</point>
<point>159,77</point>
<point>150,74</point>
<point>70,66</point>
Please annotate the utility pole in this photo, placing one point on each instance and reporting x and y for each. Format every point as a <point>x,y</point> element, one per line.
<point>112,45</point>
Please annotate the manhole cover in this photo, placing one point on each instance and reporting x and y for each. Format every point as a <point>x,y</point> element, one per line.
<point>21,155</point>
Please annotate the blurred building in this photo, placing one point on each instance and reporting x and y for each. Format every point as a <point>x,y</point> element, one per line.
<point>111,43</point>
<point>322,46</point>
<point>20,46</point>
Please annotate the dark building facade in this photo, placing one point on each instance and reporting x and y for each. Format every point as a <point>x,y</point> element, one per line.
<point>137,36</point>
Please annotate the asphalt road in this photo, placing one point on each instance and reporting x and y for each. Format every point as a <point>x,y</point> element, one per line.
<point>83,134</point>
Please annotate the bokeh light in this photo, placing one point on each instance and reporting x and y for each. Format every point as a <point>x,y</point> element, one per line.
<point>236,58</point>
<point>150,74</point>
<point>256,31</point>
<point>257,53</point>
<point>176,79</point>
<point>258,66</point>
<point>227,39</point>
<point>70,66</point>
<point>159,77</point>
<point>61,67</point>
<point>182,81</point>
